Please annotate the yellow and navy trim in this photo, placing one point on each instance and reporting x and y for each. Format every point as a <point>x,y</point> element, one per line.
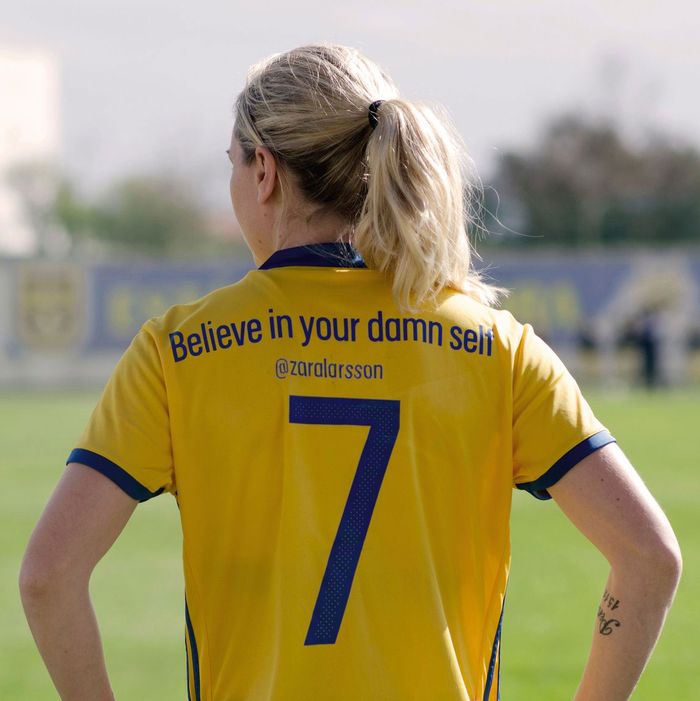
<point>193,682</point>
<point>324,255</point>
<point>538,488</point>
<point>495,660</point>
<point>109,469</point>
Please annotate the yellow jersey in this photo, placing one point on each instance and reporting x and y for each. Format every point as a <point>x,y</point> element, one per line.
<point>344,474</point>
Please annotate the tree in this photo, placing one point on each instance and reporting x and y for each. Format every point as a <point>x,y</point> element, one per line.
<point>584,184</point>
<point>149,215</point>
<point>141,214</point>
<point>35,183</point>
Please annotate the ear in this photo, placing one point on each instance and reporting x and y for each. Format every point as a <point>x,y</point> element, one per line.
<point>265,173</point>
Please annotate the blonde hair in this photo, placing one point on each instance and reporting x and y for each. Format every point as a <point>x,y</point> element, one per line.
<point>402,186</point>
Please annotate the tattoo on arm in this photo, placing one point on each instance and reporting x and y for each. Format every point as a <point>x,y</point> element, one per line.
<point>610,600</point>
<point>609,603</point>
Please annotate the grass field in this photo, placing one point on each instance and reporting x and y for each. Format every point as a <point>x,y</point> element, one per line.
<point>557,577</point>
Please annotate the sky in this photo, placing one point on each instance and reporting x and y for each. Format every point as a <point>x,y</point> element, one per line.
<point>148,85</point>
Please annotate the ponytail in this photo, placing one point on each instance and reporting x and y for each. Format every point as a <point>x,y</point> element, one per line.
<point>413,221</point>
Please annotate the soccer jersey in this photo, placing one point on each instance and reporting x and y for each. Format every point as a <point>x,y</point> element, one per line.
<point>344,474</point>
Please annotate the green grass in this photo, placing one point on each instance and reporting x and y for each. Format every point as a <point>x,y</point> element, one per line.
<point>556,580</point>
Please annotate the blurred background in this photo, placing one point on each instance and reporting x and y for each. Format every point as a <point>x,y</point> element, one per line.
<point>584,129</point>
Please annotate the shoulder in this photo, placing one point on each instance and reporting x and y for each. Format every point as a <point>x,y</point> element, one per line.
<point>219,302</point>
<point>460,308</point>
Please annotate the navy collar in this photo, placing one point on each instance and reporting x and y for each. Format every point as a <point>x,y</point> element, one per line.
<point>324,255</point>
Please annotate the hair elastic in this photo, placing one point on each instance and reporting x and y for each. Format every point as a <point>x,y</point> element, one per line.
<point>373,116</point>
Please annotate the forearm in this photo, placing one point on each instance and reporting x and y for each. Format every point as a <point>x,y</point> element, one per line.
<point>630,617</point>
<point>65,629</point>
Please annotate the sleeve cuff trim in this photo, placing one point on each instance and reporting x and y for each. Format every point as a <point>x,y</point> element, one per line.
<point>538,488</point>
<point>111,470</point>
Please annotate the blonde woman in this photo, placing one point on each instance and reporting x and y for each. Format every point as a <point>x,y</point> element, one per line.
<point>342,430</point>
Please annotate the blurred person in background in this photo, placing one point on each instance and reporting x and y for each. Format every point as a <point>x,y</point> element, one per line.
<point>648,340</point>
<point>342,430</point>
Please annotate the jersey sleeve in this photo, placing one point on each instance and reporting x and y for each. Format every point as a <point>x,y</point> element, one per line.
<point>128,435</point>
<point>554,428</point>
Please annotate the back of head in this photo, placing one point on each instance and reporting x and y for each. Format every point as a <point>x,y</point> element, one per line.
<point>400,185</point>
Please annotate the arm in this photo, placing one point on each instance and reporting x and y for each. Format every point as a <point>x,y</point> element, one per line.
<point>607,501</point>
<point>83,518</point>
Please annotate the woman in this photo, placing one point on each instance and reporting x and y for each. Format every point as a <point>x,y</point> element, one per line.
<point>342,430</point>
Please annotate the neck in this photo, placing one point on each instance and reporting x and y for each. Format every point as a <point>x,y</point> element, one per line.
<point>297,226</point>
<point>309,229</point>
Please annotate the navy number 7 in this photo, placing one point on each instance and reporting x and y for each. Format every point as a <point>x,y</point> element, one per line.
<point>382,417</point>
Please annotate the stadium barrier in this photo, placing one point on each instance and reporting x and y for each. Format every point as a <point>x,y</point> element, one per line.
<point>64,323</point>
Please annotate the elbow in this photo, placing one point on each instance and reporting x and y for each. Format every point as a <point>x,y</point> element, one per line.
<point>666,567</point>
<point>668,562</point>
<point>665,555</point>
<point>658,562</point>
<point>43,579</point>
<point>36,581</point>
